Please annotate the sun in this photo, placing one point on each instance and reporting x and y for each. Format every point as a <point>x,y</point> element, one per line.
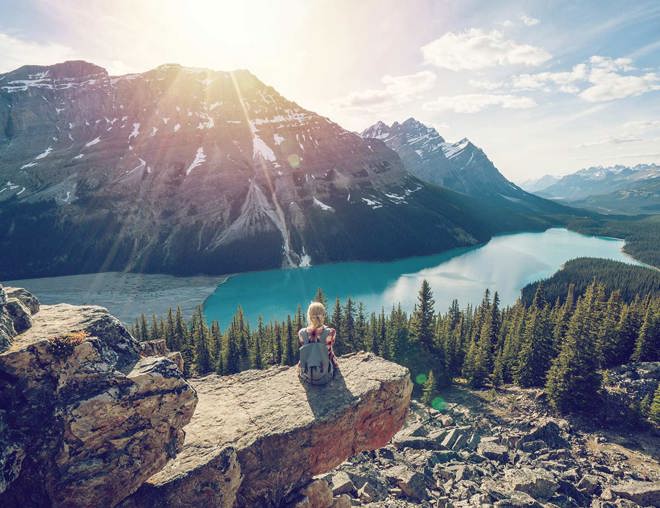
<point>233,33</point>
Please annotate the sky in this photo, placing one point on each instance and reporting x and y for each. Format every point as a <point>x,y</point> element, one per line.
<point>541,86</point>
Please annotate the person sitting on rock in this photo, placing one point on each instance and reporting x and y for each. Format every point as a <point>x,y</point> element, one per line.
<point>316,331</point>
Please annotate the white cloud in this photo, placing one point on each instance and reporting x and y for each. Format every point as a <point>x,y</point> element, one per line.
<point>611,140</point>
<point>477,49</point>
<point>397,89</point>
<point>485,84</point>
<point>528,20</point>
<point>564,80</point>
<point>608,84</point>
<point>473,103</point>
<point>16,52</point>
<point>599,79</point>
<point>641,126</point>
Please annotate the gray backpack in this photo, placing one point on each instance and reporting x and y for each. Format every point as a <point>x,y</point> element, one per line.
<point>315,365</point>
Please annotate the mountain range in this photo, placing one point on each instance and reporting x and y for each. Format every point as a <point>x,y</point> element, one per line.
<point>461,166</point>
<point>612,189</point>
<point>183,170</point>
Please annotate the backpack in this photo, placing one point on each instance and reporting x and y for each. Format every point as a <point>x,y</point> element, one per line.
<point>315,365</point>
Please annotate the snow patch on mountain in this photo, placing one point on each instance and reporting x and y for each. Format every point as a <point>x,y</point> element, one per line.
<point>323,206</point>
<point>451,150</point>
<point>200,157</point>
<point>261,149</point>
<point>44,153</point>
<point>135,132</point>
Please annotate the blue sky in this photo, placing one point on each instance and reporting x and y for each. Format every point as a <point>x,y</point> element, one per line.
<point>542,87</point>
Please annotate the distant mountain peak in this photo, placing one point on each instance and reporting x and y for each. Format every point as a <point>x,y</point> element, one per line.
<point>69,69</point>
<point>460,166</point>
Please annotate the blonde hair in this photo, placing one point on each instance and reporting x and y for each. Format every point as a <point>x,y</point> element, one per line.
<point>315,314</point>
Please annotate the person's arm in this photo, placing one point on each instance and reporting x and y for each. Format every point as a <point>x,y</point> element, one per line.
<point>301,339</point>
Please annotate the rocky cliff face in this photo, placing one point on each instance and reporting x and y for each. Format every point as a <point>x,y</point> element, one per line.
<point>85,417</point>
<point>91,417</point>
<point>258,436</point>
<point>460,166</point>
<point>183,170</point>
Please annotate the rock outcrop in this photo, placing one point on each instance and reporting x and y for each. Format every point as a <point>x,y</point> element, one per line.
<point>504,452</point>
<point>259,435</point>
<point>85,416</point>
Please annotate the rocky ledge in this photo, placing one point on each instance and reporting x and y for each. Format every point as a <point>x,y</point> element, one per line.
<point>85,416</point>
<point>259,435</point>
<point>91,417</point>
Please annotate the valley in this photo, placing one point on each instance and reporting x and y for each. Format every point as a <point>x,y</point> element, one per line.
<point>189,171</point>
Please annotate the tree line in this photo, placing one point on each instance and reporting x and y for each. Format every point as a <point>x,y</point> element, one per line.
<point>630,280</point>
<point>559,345</point>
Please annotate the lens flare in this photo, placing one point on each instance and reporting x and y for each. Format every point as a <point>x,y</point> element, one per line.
<point>420,379</point>
<point>294,160</point>
<point>438,403</point>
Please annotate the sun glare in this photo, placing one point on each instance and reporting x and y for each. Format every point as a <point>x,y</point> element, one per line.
<point>233,34</point>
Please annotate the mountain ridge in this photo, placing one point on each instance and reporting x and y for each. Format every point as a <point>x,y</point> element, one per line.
<point>606,189</point>
<point>185,171</point>
<point>461,166</point>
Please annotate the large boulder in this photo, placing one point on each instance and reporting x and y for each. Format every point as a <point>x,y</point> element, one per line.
<point>547,430</point>
<point>642,493</point>
<point>85,418</point>
<point>284,432</point>
<point>538,483</point>
<point>25,297</point>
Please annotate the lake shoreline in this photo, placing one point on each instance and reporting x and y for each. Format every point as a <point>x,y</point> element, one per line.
<point>155,293</point>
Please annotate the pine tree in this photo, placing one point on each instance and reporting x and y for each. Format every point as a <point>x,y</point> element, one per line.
<point>628,331</point>
<point>169,331</point>
<point>397,335</point>
<point>383,348</point>
<point>154,331</point>
<point>202,355</point>
<point>288,357</point>
<point>647,347</point>
<point>360,328</point>
<point>144,328</point>
<point>337,323</point>
<point>298,320</point>
<point>259,339</point>
<point>608,333</point>
<point>320,297</point>
<point>348,327</point>
<point>421,329</point>
<point>179,338</point>
<point>216,347</point>
<point>372,342</point>
<point>574,382</point>
<point>428,389</point>
<point>654,412</point>
<point>277,345</point>
<point>231,348</point>
<point>537,349</point>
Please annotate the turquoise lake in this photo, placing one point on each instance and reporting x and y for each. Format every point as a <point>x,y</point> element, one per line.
<point>505,264</point>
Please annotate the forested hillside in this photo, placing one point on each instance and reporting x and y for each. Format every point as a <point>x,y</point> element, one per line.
<point>559,346</point>
<point>641,233</point>
<point>629,280</point>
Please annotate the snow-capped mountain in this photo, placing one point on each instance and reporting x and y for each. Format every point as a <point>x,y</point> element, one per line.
<point>460,166</point>
<point>597,180</point>
<point>184,170</point>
